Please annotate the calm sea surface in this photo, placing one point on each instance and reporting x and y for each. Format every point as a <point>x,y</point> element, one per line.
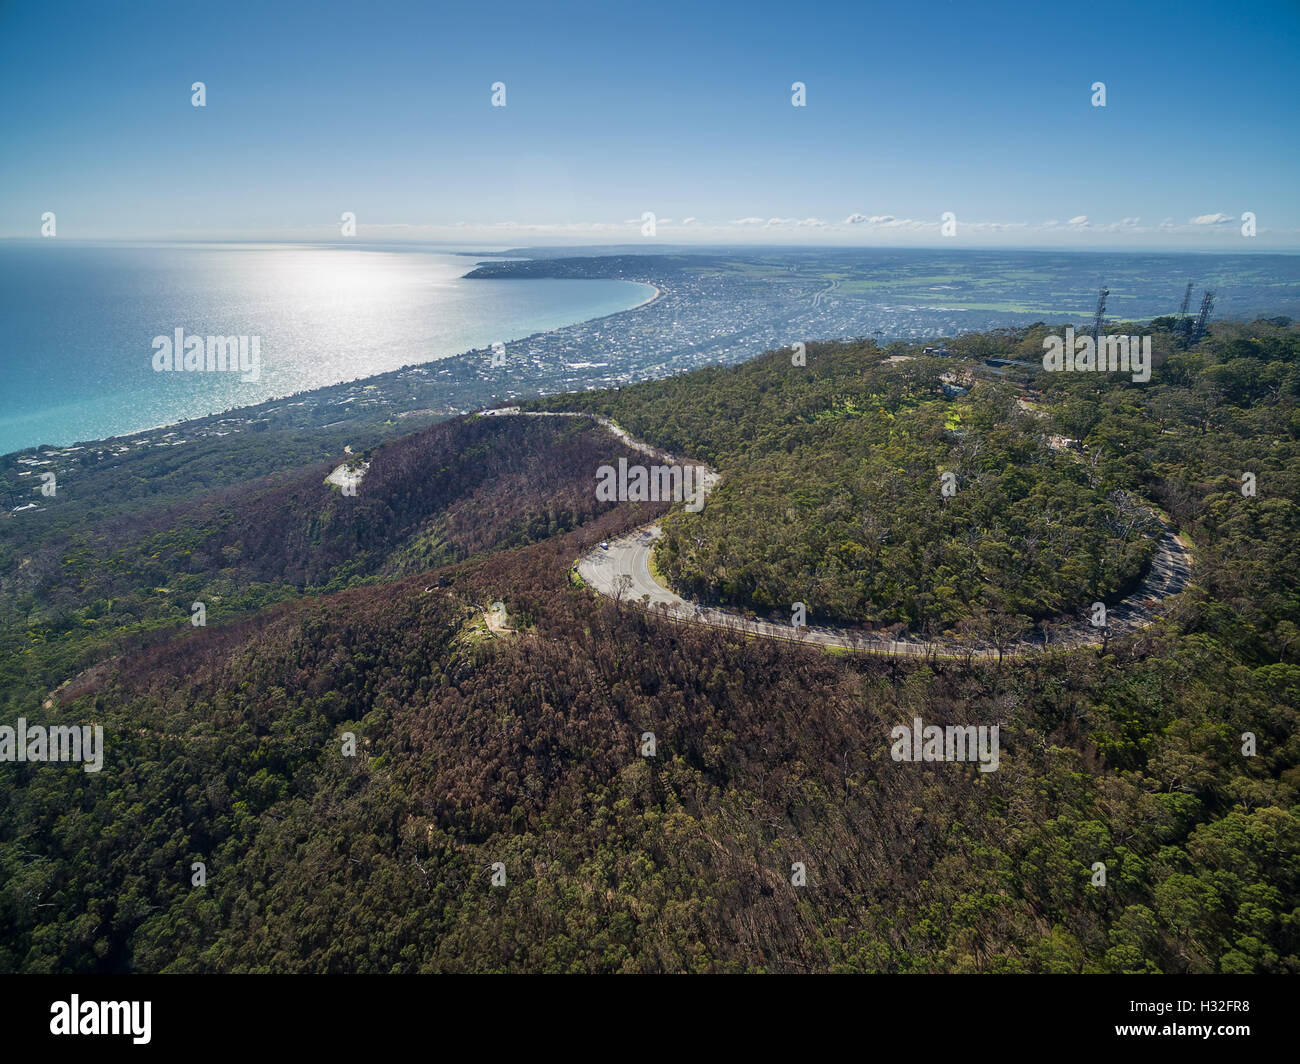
<point>77,325</point>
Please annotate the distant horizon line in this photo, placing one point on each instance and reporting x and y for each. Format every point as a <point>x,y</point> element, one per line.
<point>481,247</point>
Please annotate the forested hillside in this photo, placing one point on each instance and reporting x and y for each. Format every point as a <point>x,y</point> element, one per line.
<point>522,746</point>
<point>448,492</point>
<point>831,488</point>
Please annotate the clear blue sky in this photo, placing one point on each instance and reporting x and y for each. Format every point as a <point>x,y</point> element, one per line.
<point>913,108</point>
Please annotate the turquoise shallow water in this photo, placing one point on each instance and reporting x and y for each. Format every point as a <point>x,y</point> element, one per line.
<point>77,325</point>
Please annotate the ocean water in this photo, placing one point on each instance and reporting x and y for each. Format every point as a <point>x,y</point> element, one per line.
<point>77,324</point>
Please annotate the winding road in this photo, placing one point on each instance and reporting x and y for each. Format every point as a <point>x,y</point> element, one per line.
<point>623,573</point>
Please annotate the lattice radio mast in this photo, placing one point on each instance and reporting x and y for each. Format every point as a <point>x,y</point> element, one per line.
<point>1100,316</point>
<point>1183,325</point>
<point>1207,304</point>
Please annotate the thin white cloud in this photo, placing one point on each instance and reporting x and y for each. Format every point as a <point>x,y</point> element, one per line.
<point>856,228</point>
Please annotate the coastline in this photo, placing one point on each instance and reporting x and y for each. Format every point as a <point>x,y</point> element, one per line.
<point>644,303</point>
<point>713,309</point>
<point>246,413</point>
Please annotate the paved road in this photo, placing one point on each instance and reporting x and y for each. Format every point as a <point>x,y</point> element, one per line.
<point>623,572</point>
